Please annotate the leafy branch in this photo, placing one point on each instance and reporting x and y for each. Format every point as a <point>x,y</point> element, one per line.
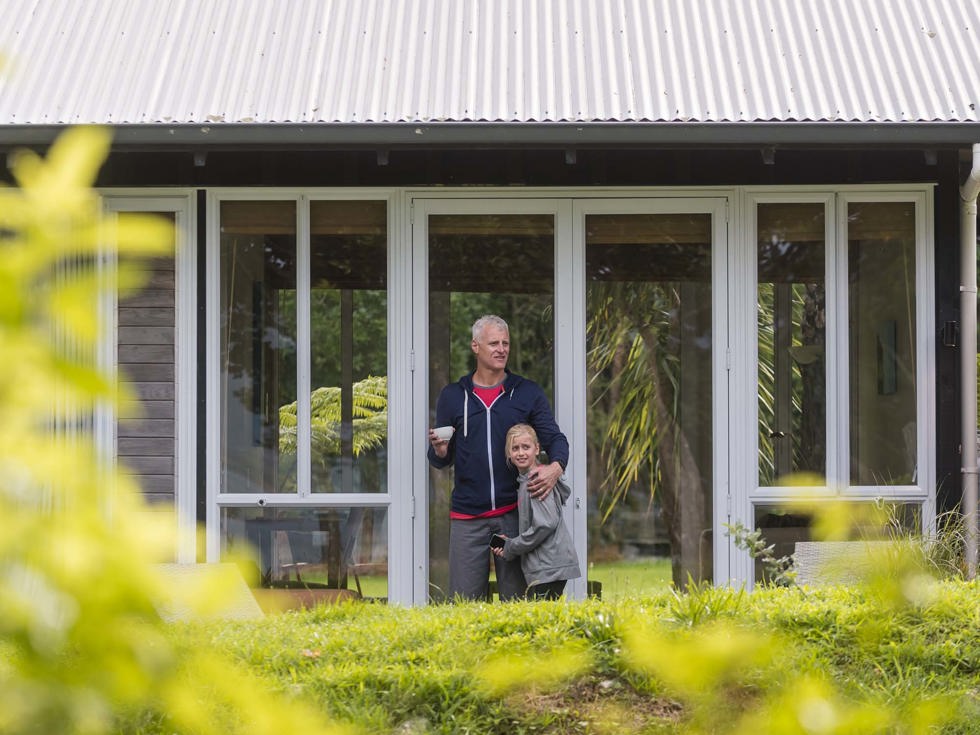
<point>778,571</point>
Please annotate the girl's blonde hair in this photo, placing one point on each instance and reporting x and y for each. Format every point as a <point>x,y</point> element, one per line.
<point>515,431</point>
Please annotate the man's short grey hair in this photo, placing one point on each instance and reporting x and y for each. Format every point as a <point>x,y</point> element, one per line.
<point>488,320</point>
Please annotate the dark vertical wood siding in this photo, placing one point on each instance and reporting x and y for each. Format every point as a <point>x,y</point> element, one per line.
<point>146,437</point>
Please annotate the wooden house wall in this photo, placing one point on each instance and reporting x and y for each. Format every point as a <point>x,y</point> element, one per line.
<point>146,437</point>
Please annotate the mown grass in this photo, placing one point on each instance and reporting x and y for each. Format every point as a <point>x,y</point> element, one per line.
<point>632,577</point>
<point>620,578</point>
<point>711,660</point>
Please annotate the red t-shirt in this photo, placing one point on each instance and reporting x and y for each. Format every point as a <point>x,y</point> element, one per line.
<point>488,396</point>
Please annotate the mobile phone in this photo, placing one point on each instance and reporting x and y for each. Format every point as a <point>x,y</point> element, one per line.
<point>497,541</point>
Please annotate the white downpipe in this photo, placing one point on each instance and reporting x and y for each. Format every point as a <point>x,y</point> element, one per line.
<point>968,356</point>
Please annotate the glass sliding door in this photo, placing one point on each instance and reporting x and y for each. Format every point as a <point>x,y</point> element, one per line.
<point>650,355</point>
<point>637,281</point>
<point>498,259</point>
<point>302,409</point>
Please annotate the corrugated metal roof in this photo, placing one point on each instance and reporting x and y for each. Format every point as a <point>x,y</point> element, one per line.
<point>388,61</point>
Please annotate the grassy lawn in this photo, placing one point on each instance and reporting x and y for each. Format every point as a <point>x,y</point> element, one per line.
<point>866,660</point>
<point>620,579</point>
<point>631,578</point>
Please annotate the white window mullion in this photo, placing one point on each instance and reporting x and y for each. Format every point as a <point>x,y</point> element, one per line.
<point>570,341</point>
<point>838,387</point>
<point>743,402</point>
<point>722,247</point>
<point>106,354</point>
<point>925,356</point>
<point>186,373</point>
<point>214,440</point>
<point>303,348</point>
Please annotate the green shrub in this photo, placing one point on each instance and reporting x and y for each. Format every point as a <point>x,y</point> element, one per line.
<point>82,645</point>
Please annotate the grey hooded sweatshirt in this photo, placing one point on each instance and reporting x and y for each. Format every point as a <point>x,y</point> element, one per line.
<point>544,544</point>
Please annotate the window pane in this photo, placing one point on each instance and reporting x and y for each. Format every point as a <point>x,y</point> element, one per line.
<point>649,332</point>
<point>311,548</point>
<point>785,526</point>
<point>349,350</point>
<point>881,321</point>
<point>484,264</point>
<point>257,344</point>
<point>792,308</point>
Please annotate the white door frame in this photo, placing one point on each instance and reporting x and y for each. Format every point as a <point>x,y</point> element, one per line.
<point>717,206</point>
<point>183,205</point>
<point>570,210</point>
<point>421,207</point>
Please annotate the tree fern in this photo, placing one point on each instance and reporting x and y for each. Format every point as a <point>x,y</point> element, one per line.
<point>370,418</point>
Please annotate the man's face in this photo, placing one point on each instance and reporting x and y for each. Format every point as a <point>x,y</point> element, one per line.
<point>492,349</point>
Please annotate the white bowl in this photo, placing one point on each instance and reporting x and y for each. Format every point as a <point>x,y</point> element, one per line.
<point>445,433</point>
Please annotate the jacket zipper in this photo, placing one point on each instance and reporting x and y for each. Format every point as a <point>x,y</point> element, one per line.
<point>493,483</point>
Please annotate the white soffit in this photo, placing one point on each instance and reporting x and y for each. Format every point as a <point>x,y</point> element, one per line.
<point>209,62</point>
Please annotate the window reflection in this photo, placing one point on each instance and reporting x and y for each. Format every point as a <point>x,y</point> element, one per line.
<point>349,338</point>
<point>311,548</point>
<point>348,350</point>
<point>491,264</point>
<point>791,340</point>
<point>785,526</point>
<point>882,335</point>
<point>258,343</point>
<point>649,337</point>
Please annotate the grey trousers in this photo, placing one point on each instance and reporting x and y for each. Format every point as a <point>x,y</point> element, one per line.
<point>469,559</point>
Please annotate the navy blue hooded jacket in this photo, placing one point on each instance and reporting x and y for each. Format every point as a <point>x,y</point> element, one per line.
<point>484,481</point>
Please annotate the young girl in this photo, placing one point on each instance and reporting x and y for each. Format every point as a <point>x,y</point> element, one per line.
<point>544,545</point>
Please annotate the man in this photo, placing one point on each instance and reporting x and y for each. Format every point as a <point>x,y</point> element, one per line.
<point>481,407</point>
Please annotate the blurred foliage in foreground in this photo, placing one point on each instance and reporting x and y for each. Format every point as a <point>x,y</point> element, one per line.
<point>81,642</point>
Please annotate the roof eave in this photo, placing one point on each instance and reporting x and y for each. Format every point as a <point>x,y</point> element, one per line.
<point>516,134</point>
